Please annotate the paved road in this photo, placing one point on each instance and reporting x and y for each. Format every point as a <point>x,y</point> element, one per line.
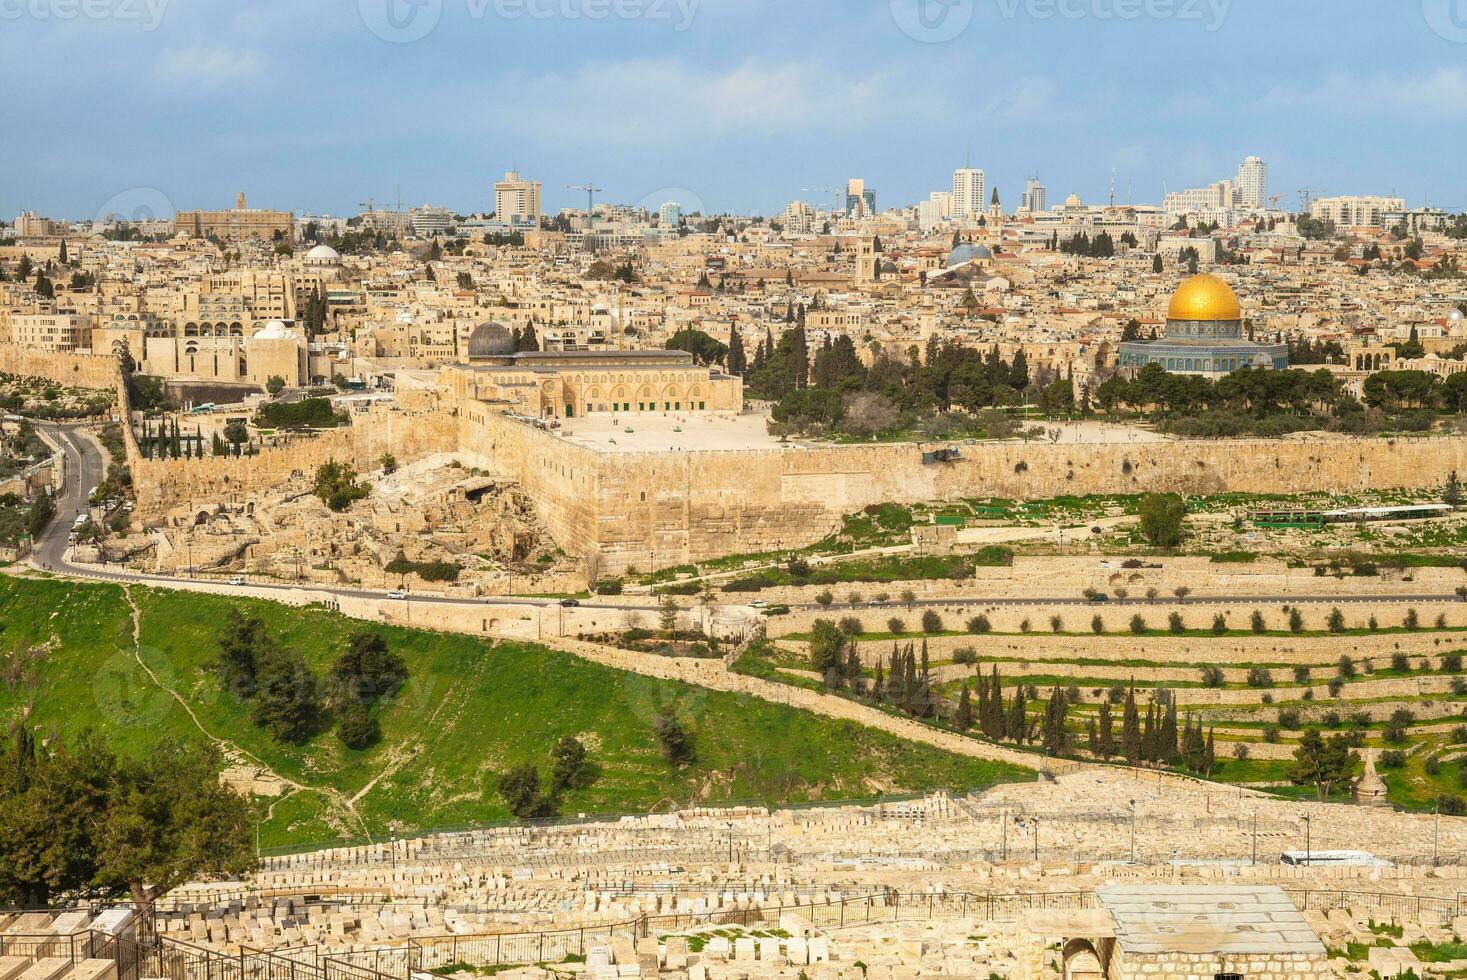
<point>85,459</point>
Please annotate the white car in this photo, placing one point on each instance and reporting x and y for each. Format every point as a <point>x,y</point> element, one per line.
<point>397,594</point>
<point>758,604</point>
<point>237,580</point>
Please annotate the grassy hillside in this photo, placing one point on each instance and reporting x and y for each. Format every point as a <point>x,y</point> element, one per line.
<point>469,711</point>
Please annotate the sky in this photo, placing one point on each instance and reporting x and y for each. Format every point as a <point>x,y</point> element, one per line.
<point>142,106</point>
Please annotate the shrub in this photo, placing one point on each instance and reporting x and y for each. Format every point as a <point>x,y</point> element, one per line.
<point>672,739</point>
<point>931,622</point>
<point>1260,677</point>
<point>1336,685</point>
<point>1373,624</point>
<point>1271,734</point>
<point>1450,805</point>
<point>1336,621</point>
<point>520,788</point>
<point>1212,677</point>
<point>1175,624</point>
<point>1289,718</point>
<point>356,726</point>
<point>979,624</point>
<point>1296,621</point>
<point>1400,662</point>
<point>1024,625</point>
<point>608,586</point>
<point>1432,766</point>
<point>965,655</point>
<point>1138,624</point>
<point>1412,620</point>
<point>1056,624</point>
<point>1301,674</point>
<point>1392,759</point>
<point>851,626</point>
<point>896,625</point>
<point>1256,623</point>
<point>1240,751</point>
<point>1097,625</point>
<point>1452,663</point>
<point>1332,719</point>
<point>1219,624</point>
<point>1347,666</point>
<point>824,599</point>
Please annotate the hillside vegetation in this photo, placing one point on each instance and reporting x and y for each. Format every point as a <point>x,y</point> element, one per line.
<point>469,711</point>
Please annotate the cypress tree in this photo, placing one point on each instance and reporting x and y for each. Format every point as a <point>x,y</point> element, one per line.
<point>1131,729</point>
<point>963,717</point>
<point>1092,740</point>
<point>1107,743</point>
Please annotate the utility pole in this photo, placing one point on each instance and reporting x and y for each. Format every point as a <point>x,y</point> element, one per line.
<point>1308,822</point>
<point>1133,831</point>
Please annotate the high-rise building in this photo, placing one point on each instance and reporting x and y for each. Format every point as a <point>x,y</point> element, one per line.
<point>516,200</point>
<point>799,218</point>
<point>428,221</point>
<point>860,202</point>
<point>670,215</point>
<point>1193,200</point>
<point>1034,195</point>
<point>1252,183</point>
<point>968,187</point>
<point>937,209</point>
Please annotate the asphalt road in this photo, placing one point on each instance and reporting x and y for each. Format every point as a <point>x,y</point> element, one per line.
<point>85,459</point>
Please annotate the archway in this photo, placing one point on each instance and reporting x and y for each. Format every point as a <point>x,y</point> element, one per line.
<point>1082,961</point>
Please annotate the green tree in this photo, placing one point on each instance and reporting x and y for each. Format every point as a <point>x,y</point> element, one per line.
<point>366,671</point>
<point>1131,729</point>
<point>520,789</point>
<point>673,740</point>
<point>337,485</point>
<point>356,726</point>
<point>286,701</point>
<point>567,763</point>
<point>1162,515</point>
<point>275,385</point>
<point>1322,762</point>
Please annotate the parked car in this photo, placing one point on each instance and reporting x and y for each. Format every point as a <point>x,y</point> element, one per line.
<point>397,594</point>
<point>570,603</point>
<point>237,580</point>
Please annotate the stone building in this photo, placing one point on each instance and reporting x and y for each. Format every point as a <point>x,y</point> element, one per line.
<point>570,384</point>
<point>241,223</point>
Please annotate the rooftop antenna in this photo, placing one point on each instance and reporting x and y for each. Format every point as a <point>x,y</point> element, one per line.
<point>1112,186</point>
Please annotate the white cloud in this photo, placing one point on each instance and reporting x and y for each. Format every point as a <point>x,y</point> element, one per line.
<point>208,66</point>
<point>1437,96</point>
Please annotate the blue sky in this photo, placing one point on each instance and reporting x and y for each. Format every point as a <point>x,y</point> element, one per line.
<point>734,104</point>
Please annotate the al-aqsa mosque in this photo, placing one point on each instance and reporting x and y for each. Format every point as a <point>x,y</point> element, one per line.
<point>1204,335</point>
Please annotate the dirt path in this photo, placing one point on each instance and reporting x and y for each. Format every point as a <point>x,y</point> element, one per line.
<point>233,750</point>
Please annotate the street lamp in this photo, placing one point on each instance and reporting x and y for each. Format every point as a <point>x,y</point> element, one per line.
<point>1036,838</point>
<point>1133,831</point>
<point>1255,836</point>
<point>1308,821</point>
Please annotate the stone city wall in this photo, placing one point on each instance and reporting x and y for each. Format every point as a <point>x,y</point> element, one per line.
<point>75,370</point>
<point>162,485</point>
<point>649,510</point>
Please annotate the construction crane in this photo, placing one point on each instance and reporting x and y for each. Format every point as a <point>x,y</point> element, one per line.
<point>1306,196</point>
<point>591,191</point>
<point>835,191</point>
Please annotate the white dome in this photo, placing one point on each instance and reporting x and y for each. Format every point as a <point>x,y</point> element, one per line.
<point>275,330</point>
<point>1455,316</point>
<point>323,253</point>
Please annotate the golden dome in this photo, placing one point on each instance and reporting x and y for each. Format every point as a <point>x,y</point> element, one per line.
<point>1204,297</point>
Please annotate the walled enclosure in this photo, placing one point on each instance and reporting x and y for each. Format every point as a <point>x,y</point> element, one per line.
<point>650,510</point>
<point>655,509</point>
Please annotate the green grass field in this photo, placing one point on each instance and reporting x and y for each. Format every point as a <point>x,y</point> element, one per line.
<point>469,711</point>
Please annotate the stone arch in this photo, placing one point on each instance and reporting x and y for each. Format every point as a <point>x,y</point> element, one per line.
<point>1117,579</point>
<point>1082,961</point>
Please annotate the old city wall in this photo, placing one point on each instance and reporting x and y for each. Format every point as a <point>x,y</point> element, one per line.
<point>76,370</point>
<point>162,485</point>
<point>673,507</point>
